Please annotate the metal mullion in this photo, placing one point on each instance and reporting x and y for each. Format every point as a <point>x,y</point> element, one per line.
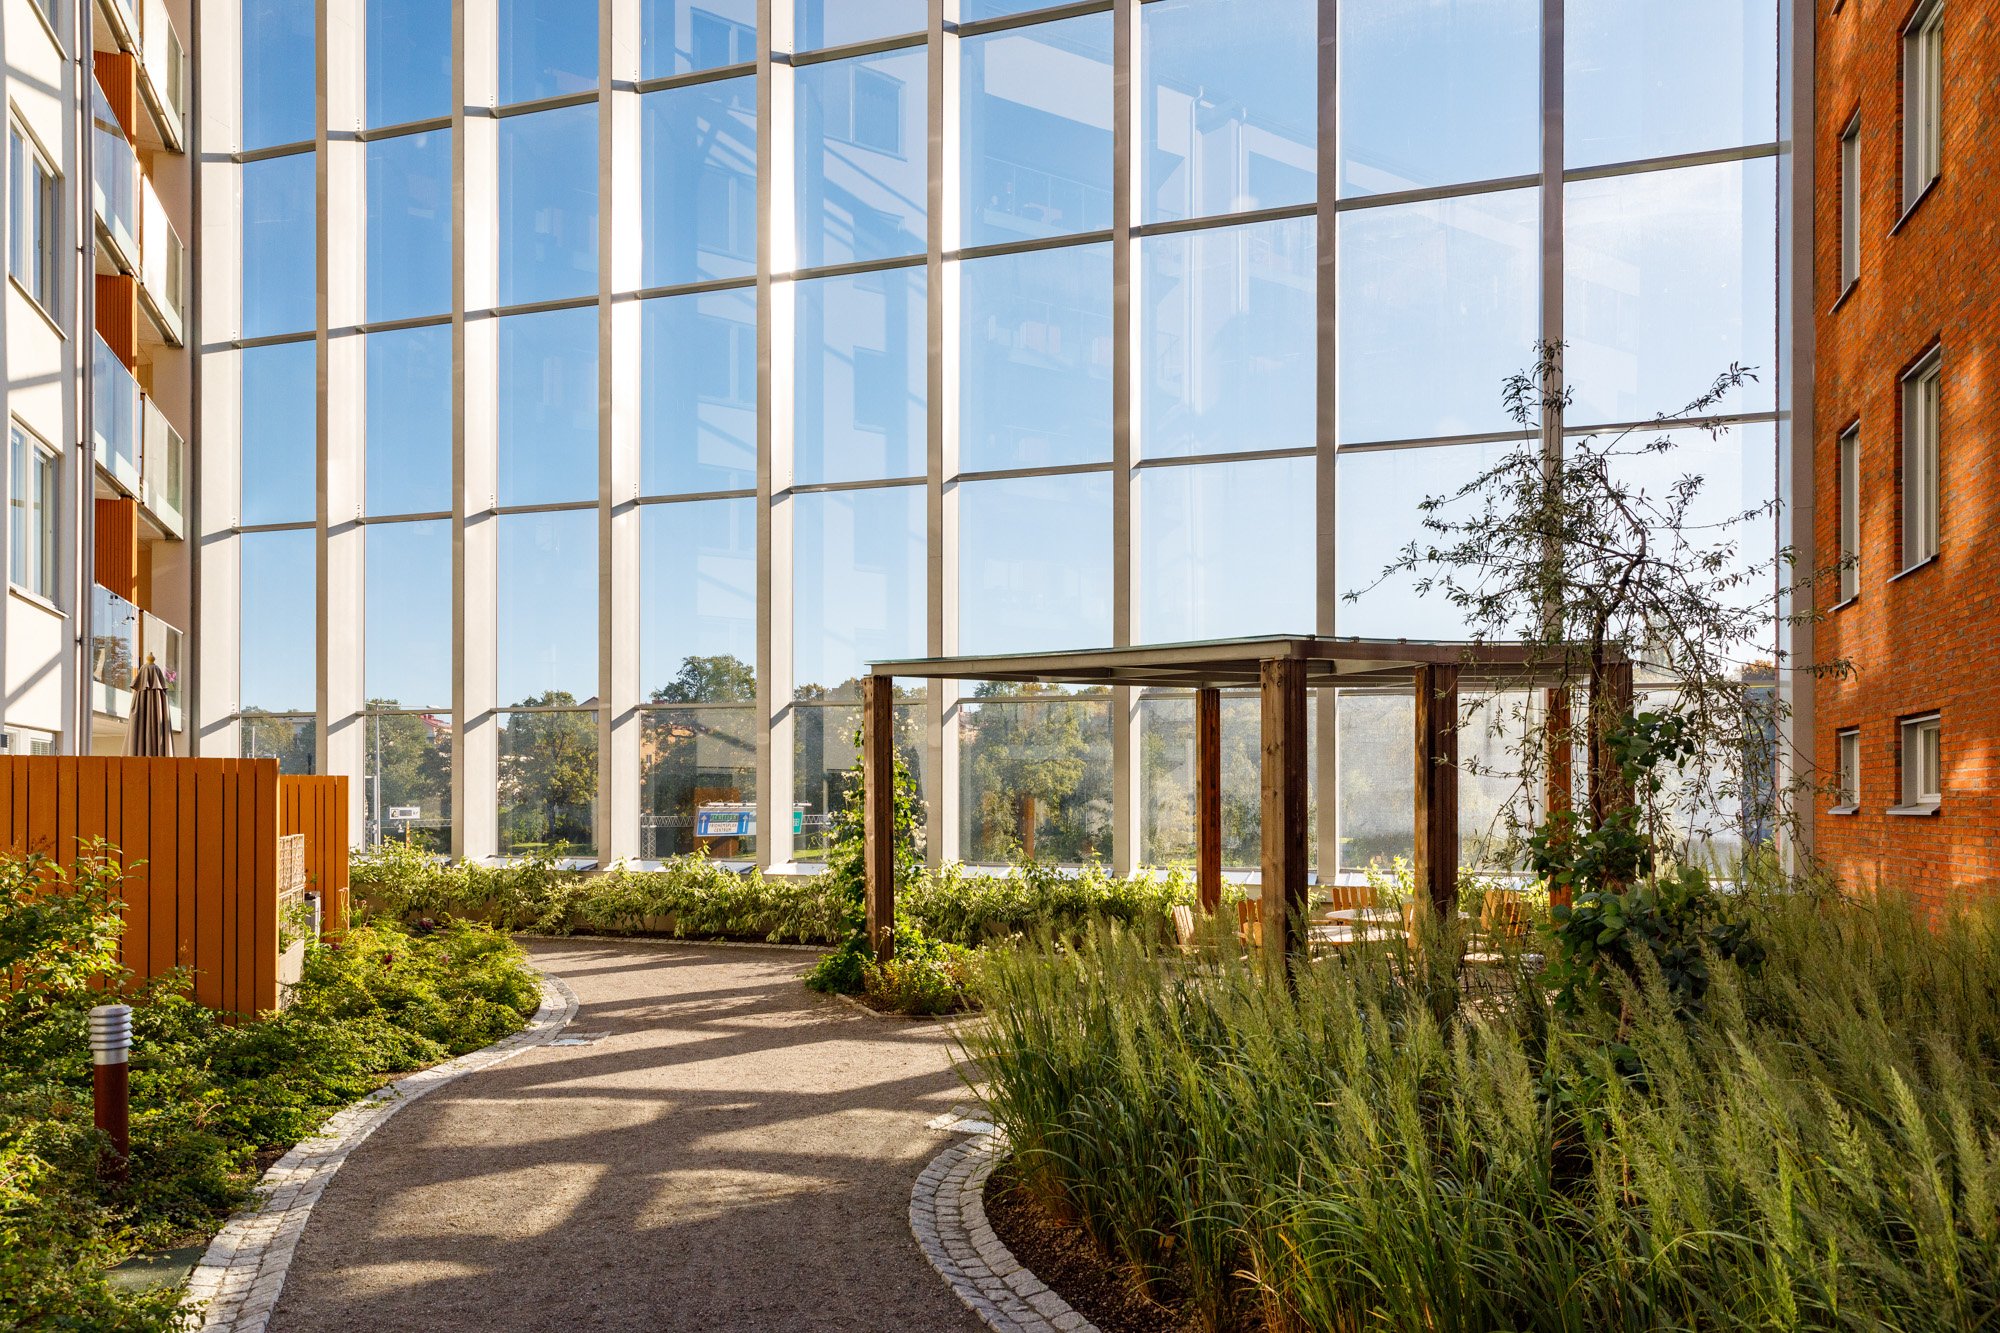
<point>1125,519</point>
<point>1673,162</point>
<point>695,497</point>
<point>1326,468</point>
<point>998,249</point>
<point>558,103</point>
<point>264,340</point>
<point>1034,17</point>
<point>1030,473</point>
<point>854,268</point>
<point>940,532</point>
<point>402,131</point>
<point>309,525</point>
<point>1245,456</point>
<point>872,484</point>
<point>394,325</point>
<point>245,156</point>
<point>1432,193</point>
<point>553,507</point>
<point>1248,217</point>
<point>744,284</point>
<point>664,83</point>
<point>856,50</point>
<point>533,307</point>
<point>369,520</point>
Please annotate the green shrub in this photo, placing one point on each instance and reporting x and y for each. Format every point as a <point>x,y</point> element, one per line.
<point>926,976</point>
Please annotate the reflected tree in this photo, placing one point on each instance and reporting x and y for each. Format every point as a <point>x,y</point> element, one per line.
<point>1034,760</point>
<point>410,755</point>
<point>548,775</point>
<point>289,740</point>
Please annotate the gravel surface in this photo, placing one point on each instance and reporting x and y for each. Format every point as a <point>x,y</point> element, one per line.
<point>732,1152</point>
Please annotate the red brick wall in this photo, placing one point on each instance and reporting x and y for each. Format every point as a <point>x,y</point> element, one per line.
<point>1930,639</point>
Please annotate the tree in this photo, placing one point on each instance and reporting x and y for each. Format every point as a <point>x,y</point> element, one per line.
<point>548,774</point>
<point>410,756</point>
<point>710,680</point>
<point>292,741</point>
<point>1027,751</point>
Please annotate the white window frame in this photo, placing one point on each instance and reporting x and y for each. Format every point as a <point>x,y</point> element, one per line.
<point>1850,513</point>
<point>1920,752</point>
<point>34,219</point>
<point>1923,100</point>
<point>33,462</point>
<point>1847,771</point>
<point>1850,204</point>
<point>1923,417</point>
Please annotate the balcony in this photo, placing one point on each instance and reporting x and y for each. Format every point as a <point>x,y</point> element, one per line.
<point>121,637</point>
<point>162,267</point>
<point>162,469</point>
<point>114,183</point>
<point>115,404</point>
<point>162,72</point>
<point>163,643</point>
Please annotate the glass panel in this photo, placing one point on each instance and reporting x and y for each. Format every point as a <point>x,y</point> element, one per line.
<point>1229,106</point>
<point>1645,81</point>
<point>861,395</point>
<point>408,626</point>
<point>1035,368</point>
<point>825,753</point>
<point>409,60</point>
<point>548,783</point>
<point>1167,780</point>
<point>289,740</point>
<point>859,584</point>
<point>280,74</point>
<point>409,226</point>
<point>407,780</point>
<point>689,758</point>
<point>1037,126</point>
<point>1226,550</point>
<point>971,11</point>
<point>409,420</point>
<point>1227,340</point>
<point>682,36</point>
<point>548,48</point>
<point>1378,750</point>
<point>1034,776</point>
<point>548,407</point>
<point>280,273</point>
<point>278,627</point>
<point>1667,281</point>
<point>1034,565</point>
<point>1378,514</point>
<point>548,205</point>
<point>700,154</point>
<point>861,148</point>
<point>824,23</point>
<point>1439,303</point>
<point>699,393</point>
<point>280,434</point>
<point>1438,92</point>
<point>114,639</point>
<point>548,608</point>
<point>698,603</point>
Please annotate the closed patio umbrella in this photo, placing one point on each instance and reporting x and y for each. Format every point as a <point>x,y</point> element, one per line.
<point>152,730</point>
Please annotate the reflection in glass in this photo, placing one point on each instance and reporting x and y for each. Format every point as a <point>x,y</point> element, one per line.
<point>548,205</point>
<point>548,407</point>
<point>861,392</point>
<point>1378,777</point>
<point>1167,780</point>
<point>548,783</point>
<point>409,225</point>
<point>1667,282</point>
<point>1035,359</point>
<point>1379,499</point>
<point>548,608</point>
<point>278,623</point>
<point>407,621</point>
<point>823,760</point>
<point>683,36</point>
<point>698,602</point>
<point>972,11</point>
<point>280,79</point>
<point>861,158</point>
<point>1227,338</point>
<point>409,420</point>
<point>1034,776</point>
<point>698,410</point>
<point>1034,564</point>
<point>292,741</point>
<point>1037,131</point>
<point>690,758</point>
<point>548,48</point>
<point>280,476</point>
<point>280,273</point>
<point>859,581</point>
<point>409,61</point>
<point>823,23</point>
<point>1226,550</point>
<point>700,155</point>
<point>1229,106</point>
<point>406,777</point>
<point>1439,303</point>
<point>1646,81</point>
<point>1438,92</point>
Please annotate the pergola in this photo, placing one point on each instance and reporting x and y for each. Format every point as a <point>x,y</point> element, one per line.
<point>1282,669</point>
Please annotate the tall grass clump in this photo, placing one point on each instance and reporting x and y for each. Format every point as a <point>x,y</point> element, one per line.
<point>1816,1146</point>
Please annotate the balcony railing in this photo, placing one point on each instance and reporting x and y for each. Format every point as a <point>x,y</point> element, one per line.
<point>162,266</point>
<point>114,181</point>
<point>162,70</point>
<point>162,643</point>
<point>162,468</point>
<point>114,416</point>
<point>114,651</point>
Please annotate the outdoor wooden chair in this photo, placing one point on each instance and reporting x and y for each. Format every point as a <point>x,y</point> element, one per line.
<point>1184,932</point>
<point>1250,921</point>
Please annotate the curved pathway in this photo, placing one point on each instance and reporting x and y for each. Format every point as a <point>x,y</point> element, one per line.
<point>709,1146</point>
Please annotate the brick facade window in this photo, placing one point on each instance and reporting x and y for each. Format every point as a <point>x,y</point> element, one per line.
<point>1847,776</point>
<point>1923,100</point>
<point>1850,203</point>
<point>1850,514</point>
<point>1923,412</point>
<point>1922,762</point>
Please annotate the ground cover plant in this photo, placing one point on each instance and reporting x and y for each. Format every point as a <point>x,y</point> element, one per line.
<point>212,1101</point>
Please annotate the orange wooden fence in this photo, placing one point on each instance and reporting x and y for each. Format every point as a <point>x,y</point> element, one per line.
<point>200,840</point>
<point>317,807</point>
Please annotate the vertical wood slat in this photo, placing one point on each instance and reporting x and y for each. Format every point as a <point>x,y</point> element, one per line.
<point>878,778</point>
<point>316,807</point>
<point>161,791</point>
<point>134,821</point>
<point>1283,684</point>
<point>243,958</point>
<point>1436,863</point>
<point>208,888</point>
<point>188,876</point>
<point>1208,798</point>
<point>1610,704</point>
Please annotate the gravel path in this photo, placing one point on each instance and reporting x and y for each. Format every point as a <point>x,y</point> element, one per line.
<point>734,1152</point>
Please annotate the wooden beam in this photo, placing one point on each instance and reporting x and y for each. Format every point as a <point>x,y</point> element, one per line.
<point>1284,781</point>
<point>878,776</point>
<point>1437,788</point>
<point>1208,798</point>
<point>1610,704</point>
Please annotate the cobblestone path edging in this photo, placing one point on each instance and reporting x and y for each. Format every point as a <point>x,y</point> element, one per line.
<point>236,1285</point>
<point>948,1215</point>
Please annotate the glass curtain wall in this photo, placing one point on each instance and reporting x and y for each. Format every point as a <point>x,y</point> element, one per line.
<point>682,392</point>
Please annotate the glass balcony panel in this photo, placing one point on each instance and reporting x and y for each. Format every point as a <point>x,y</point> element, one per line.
<point>164,643</point>
<point>114,418</point>
<point>114,646</point>
<point>162,262</point>
<point>163,61</point>
<point>115,177</point>
<point>162,464</point>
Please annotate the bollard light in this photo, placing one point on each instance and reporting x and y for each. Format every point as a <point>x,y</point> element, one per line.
<point>110,1053</point>
<point>110,1034</point>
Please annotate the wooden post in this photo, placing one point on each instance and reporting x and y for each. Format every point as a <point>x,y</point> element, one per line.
<point>1208,798</point>
<point>1610,704</point>
<point>1284,775</point>
<point>878,776</point>
<point>1559,763</point>
<point>1437,788</point>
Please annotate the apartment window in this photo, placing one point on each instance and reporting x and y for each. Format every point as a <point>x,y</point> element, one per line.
<point>1923,762</point>
<point>1850,204</point>
<point>32,511</point>
<point>1923,100</point>
<point>32,250</point>
<point>1850,514</point>
<point>1922,413</point>
<point>1847,775</point>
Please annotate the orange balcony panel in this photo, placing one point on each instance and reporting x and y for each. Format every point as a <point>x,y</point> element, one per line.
<point>118,75</point>
<point>118,316</point>
<point>118,547</point>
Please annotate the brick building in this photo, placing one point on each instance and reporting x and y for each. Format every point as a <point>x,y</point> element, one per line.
<point>1907,474</point>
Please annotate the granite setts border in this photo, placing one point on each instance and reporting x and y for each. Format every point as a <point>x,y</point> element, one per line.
<point>236,1285</point>
<point>948,1217</point>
